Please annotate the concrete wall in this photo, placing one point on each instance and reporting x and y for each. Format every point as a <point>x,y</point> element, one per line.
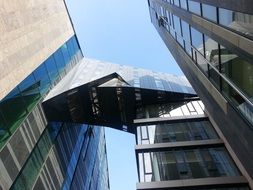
<point>31,30</point>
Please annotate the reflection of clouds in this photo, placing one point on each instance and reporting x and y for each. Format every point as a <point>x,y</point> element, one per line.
<point>190,108</point>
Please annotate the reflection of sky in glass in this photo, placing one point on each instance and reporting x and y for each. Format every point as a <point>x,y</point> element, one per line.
<point>197,41</point>
<point>183,4</point>
<point>209,12</point>
<point>225,17</point>
<point>194,7</point>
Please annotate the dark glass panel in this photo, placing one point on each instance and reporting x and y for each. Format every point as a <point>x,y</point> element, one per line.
<point>41,77</point>
<point>237,21</point>
<point>209,12</point>
<point>194,7</point>
<point>214,77</point>
<point>238,70</point>
<point>13,109</point>
<point>188,164</point>
<point>3,130</point>
<point>187,131</point>
<point>52,69</point>
<point>235,98</point>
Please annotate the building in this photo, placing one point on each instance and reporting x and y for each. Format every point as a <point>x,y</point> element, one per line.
<point>212,43</point>
<point>177,144</point>
<point>54,102</point>
<point>38,48</point>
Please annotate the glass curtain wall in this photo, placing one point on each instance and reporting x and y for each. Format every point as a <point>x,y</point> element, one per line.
<point>15,107</point>
<point>221,65</point>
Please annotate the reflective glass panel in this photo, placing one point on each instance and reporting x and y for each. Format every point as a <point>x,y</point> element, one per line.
<point>209,12</point>
<point>238,21</point>
<point>186,36</point>
<point>194,7</point>
<point>3,129</point>
<point>235,98</point>
<point>238,70</point>
<point>177,25</point>
<point>186,131</point>
<point>189,164</point>
<point>13,109</point>
<point>59,60</point>
<point>71,47</point>
<point>197,40</point>
<point>30,91</point>
<point>65,53</point>
<point>75,44</point>
<point>52,69</point>
<point>212,55</point>
<point>41,76</point>
<point>183,4</point>
<point>176,2</point>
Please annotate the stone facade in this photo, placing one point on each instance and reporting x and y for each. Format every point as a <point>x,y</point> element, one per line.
<point>31,31</point>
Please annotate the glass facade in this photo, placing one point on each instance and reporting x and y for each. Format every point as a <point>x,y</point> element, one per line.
<point>220,64</point>
<point>177,148</point>
<point>186,164</point>
<point>175,132</point>
<point>15,107</point>
<point>36,154</point>
<point>72,155</point>
<point>237,21</point>
<point>232,20</point>
<point>171,110</point>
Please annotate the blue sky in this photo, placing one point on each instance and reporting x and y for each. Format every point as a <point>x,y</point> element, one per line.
<point>120,32</point>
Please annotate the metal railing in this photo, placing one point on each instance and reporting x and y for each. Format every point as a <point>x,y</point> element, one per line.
<point>162,21</point>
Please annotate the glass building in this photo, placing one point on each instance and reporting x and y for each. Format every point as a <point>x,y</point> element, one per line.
<point>212,43</point>
<point>40,49</point>
<point>178,145</point>
<point>54,103</point>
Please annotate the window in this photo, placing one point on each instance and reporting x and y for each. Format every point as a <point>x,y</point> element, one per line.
<point>237,21</point>
<point>209,12</point>
<point>177,25</point>
<point>186,36</point>
<point>238,70</point>
<point>183,4</point>
<point>187,164</point>
<point>41,76</point>
<point>59,60</point>
<point>194,7</point>
<point>52,69</point>
<point>212,55</point>
<point>197,40</point>
<point>177,3</point>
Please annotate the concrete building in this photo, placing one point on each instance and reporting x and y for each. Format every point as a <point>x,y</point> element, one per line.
<point>212,43</point>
